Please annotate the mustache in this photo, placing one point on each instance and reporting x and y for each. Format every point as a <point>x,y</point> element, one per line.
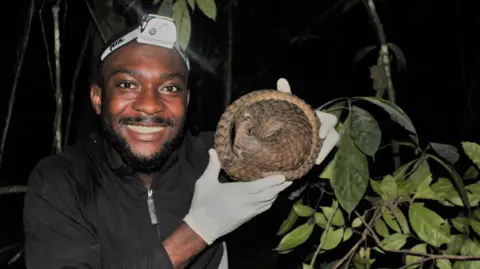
<point>146,119</point>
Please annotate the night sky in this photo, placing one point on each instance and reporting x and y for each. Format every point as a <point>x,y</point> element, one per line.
<point>438,88</point>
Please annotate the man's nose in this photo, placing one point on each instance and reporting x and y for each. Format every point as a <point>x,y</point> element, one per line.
<point>148,102</point>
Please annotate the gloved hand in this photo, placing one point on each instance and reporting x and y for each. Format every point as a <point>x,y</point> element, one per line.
<point>219,208</point>
<point>327,128</point>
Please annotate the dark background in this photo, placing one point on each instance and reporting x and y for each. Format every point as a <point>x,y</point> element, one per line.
<point>438,88</point>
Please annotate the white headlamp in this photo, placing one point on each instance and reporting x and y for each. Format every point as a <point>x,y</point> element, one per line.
<point>154,30</point>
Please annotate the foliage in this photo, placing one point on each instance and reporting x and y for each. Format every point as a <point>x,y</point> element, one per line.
<point>400,212</point>
<point>183,21</point>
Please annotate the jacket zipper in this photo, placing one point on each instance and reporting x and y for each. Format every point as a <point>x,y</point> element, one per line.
<point>152,211</point>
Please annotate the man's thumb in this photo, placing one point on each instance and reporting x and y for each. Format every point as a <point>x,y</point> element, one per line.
<point>213,167</point>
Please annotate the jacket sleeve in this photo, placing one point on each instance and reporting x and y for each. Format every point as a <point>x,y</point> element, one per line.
<point>57,234</point>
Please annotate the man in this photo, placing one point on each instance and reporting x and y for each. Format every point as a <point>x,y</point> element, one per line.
<point>145,193</point>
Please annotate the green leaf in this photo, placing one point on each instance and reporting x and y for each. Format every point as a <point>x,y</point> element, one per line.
<point>395,241</point>
<point>320,220</point>
<point>191,3</point>
<point>471,173</point>
<point>411,259</point>
<point>365,131</point>
<point>156,2</point>
<point>424,191</point>
<point>376,186</point>
<point>327,172</point>
<point>348,233</point>
<point>472,150</point>
<point>475,226</point>
<point>350,173</point>
<point>461,224</point>
<point>441,188</point>
<point>389,189</point>
<point>303,210</point>
<point>395,112</point>
<point>181,16</point>
<point>381,228</point>
<point>362,260</point>
<point>428,225</point>
<point>288,223</point>
<point>470,248</point>
<point>421,170</point>
<point>332,265</point>
<point>393,220</point>
<point>457,179</point>
<point>330,240</point>
<point>448,152</point>
<point>306,266</point>
<point>473,197</point>
<point>340,130</point>
<point>296,237</point>
<point>443,264</point>
<point>455,244</point>
<point>401,172</point>
<point>357,223</point>
<point>208,8</point>
<point>338,219</point>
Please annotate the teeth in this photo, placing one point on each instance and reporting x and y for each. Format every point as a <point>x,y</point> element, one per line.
<point>144,129</point>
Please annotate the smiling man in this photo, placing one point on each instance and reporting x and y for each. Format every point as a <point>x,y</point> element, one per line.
<point>144,193</point>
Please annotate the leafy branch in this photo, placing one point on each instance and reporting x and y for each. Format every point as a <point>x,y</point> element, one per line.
<point>410,252</point>
<point>348,175</point>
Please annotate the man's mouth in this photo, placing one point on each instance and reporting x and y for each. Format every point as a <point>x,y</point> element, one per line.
<point>142,129</point>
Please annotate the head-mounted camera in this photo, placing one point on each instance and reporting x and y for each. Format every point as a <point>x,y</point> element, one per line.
<point>154,30</point>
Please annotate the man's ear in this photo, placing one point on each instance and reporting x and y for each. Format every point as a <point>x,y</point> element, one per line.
<point>96,98</point>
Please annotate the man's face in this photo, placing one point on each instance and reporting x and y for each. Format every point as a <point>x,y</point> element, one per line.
<point>142,103</point>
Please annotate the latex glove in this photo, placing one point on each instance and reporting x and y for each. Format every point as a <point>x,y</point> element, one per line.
<point>219,208</point>
<point>327,130</point>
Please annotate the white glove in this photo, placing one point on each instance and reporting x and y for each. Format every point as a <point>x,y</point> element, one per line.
<point>327,128</point>
<point>219,208</point>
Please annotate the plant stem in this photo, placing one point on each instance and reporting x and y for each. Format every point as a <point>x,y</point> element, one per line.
<point>18,71</point>
<point>385,61</point>
<point>228,84</point>
<point>44,37</point>
<point>352,251</point>
<point>58,87</point>
<point>71,104</point>
<point>329,223</point>
<point>12,189</point>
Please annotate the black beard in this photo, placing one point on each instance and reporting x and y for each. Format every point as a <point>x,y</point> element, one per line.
<point>135,162</point>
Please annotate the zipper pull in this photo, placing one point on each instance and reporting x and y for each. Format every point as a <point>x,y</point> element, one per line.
<point>151,207</point>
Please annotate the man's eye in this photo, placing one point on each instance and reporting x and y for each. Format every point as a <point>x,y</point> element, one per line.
<point>126,85</point>
<point>171,88</point>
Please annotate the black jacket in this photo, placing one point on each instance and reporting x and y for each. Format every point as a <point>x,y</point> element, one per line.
<point>85,209</point>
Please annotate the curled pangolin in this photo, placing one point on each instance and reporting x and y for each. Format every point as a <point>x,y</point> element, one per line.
<point>267,132</point>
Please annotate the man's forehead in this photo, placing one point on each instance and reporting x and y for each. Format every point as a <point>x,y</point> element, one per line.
<point>136,54</point>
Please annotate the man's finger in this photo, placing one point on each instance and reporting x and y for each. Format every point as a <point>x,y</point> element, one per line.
<point>213,168</point>
<point>271,193</point>
<point>264,183</point>
<point>327,123</point>
<point>283,86</point>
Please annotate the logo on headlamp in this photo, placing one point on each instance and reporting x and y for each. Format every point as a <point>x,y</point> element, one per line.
<point>116,43</point>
